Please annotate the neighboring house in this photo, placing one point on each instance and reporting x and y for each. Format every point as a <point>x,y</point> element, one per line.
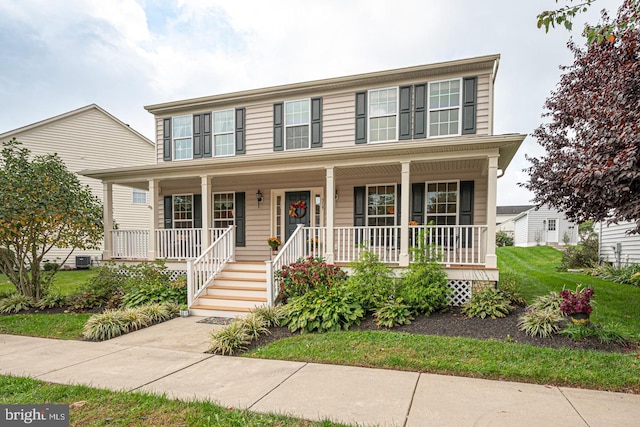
<point>543,226</point>
<point>617,246</point>
<point>331,167</point>
<point>505,216</point>
<point>90,137</point>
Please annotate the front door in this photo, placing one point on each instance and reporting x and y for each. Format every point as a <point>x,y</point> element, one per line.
<point>298,210</point>
<point>552,230</point>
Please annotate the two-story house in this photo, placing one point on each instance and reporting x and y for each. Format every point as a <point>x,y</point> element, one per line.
<point>377,161</point>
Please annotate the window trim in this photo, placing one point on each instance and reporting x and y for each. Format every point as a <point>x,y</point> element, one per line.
<point>285,125</point>
<point>370,116</point>
<point>173,211</point>
<point>173,138</point>
<point>426,201</point>
<point>233,199</point>
<point>395,204</point>
<point>136,191</point>
<point>429,109</point>
<point>232,132</point>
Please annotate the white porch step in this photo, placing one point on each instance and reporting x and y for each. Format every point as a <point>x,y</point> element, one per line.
<point>239,288</point>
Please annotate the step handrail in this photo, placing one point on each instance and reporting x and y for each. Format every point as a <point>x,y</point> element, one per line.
<point>291,251</point>
<point>204,269</point>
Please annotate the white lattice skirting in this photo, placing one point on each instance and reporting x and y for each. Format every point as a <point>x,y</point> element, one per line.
<point>173,274</point>
<point>460,291</point>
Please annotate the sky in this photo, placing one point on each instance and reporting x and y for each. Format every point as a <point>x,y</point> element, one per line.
<point>60,55</point>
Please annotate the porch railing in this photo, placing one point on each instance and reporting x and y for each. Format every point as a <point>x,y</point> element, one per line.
<point>202,270</point>
<point>130,244</point>
<point>178,243</point>
<point>351,242</point>
<point>290,252</point>
<point>451,244</point>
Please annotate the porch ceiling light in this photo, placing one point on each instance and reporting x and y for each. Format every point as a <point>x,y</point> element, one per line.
<point>259,197</point>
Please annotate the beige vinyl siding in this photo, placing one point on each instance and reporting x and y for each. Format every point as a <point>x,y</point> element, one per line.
<point>338,116</point>
<point>92,140</point>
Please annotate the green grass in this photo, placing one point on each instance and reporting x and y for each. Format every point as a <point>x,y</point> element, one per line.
<point>468,357</point>
<point>536,269</point>
<point>67,326</point>
<point>65,282</point>
<point>109,408</point>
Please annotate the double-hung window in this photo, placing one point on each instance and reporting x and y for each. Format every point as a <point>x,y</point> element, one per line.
<point>223,210</point>
<point>383,115</point>
<point>442,203</point>
<point>223,132</point>
<point>183,211</point>
<point>381,205</point>
<point>297,116</point>
<point>444,107</point>
<point>182,133</point>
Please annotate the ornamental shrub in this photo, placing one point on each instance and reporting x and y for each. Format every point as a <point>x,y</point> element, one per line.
<point>488,303</point>
<point>578,301</point>
<point>503,239</point>
<point>307,274</point>
<point>424,287</point>
<point>371,281</point>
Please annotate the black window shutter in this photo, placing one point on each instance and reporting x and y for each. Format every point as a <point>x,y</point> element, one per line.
<point>359,206</point>
<point>466,209</point>
<point>420,112</point>
<point>197,211</point>
<point>417,202</point>
<point>168,212</point>
<point>166,140</point>
<point>240,133</point>
<point>316,122</point>
<point>278,127</point>
<point>241,221</point>
<point>398,204</point>
<point>207,149</point>
<point>405,112</point>
<point>469,97</point>
<point>198,141</point>
<point>361,117</point>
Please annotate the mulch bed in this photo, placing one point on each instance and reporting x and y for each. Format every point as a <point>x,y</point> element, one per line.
<point>454,324</point>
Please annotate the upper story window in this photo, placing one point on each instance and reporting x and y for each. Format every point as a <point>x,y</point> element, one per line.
<point>223,210</point>
<point>139,197</point>
<point>381,205</point>
<point>383,115</point>
<point>442,203</point>
<point>182,128</point>
<point>223,132</point>
<point>444,108</point>
<point>297,116</point>
<point>183,211</point>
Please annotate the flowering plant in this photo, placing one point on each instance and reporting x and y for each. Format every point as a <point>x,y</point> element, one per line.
<point>413,222</point>
<point>313,242</point>
<point>274,242</point>
<point>578,301</point>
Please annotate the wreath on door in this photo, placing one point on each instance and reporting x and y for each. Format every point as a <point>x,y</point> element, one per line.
<point>297,209</point>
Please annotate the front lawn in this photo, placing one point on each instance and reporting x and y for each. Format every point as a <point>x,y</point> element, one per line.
<point>65,282</point>
<point>96,407</point>
<point>66,326</point>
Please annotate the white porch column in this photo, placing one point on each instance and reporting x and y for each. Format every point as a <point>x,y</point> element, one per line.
<point>404,214</point>
<point>491,260</point>
<point>154,195</point>
<point>206,211</point>
<point>107,190</point>
<point>330,211</point>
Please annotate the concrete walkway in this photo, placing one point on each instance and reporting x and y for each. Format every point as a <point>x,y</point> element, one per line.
<point>168,358</point>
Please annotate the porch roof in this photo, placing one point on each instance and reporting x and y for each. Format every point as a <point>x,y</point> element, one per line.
<point>371,155</point>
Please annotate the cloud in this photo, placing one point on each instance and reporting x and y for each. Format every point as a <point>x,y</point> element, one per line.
<point>124,54</point>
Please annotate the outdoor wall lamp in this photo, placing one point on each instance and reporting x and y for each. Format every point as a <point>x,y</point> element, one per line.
<point>336,196</point>
<point>259,197</point>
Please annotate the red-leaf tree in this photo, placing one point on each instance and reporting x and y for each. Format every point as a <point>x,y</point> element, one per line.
<point>591,168</point>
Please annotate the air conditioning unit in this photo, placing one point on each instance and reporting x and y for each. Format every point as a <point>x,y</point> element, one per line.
<point>83,262</point>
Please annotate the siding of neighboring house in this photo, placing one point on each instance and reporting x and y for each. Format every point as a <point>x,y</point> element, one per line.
<point>91,138</point>
<point>338,113</point>
<point>612,234</point>
<point>531,228</point>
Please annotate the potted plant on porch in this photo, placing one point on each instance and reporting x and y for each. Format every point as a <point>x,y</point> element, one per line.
<point>274,243</point>
<point>184,310</point>
<point>577,304</point>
